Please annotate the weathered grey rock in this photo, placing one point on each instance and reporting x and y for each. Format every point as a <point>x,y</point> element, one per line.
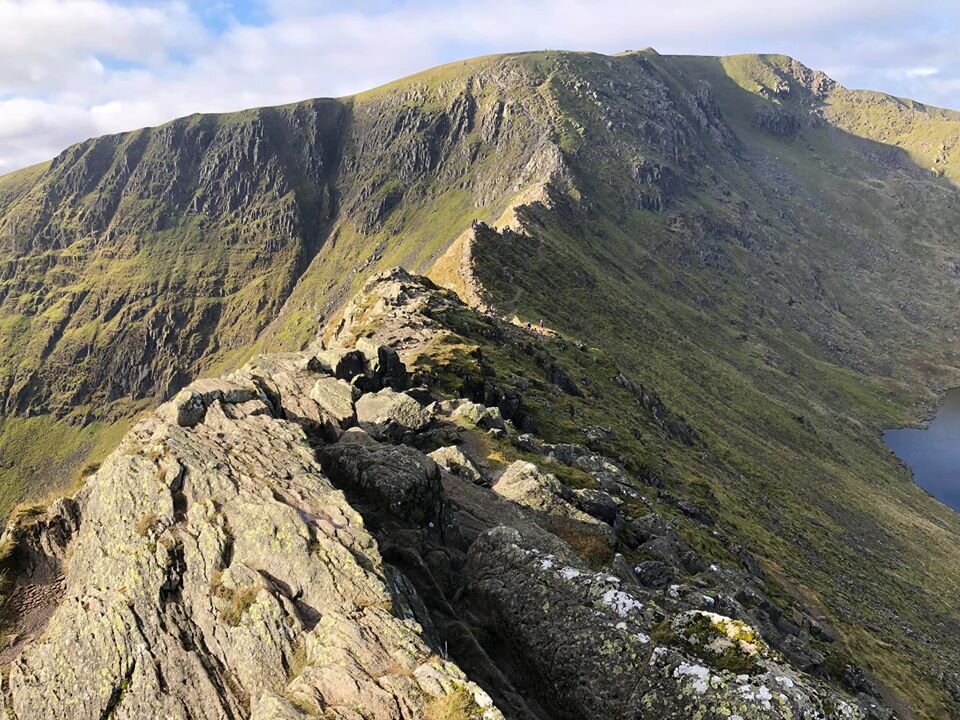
<point>597,503</point>
<point>388,414</point>
<point>654,573</point>
<point>483,417</point>
<point>189,406</point>
<point>528,485</point>
<point>342,363</point>
<point>357,435</point>
<point>470,411</point>
<point>384,364</point>
<point>335,397</point>
<point>586,654</point>
<point>396,477</point>
<point>494,419</point>
<point>287,381</point>
<point>454,460</point>
<point>396,304</point>
<point>594,653</point>
<point>39,541</point>
<point>218,573</point>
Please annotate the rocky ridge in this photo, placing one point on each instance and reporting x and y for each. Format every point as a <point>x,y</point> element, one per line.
<point>277,543</point>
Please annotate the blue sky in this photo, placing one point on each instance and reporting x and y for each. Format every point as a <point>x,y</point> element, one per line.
<point>71,69</point>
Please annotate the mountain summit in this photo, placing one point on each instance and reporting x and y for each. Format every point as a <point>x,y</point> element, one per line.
<point>694,290</point>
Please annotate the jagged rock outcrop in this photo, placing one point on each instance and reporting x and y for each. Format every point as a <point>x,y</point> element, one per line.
<point>595,650</point>
<point>218,573</point>
<point>251,551</point>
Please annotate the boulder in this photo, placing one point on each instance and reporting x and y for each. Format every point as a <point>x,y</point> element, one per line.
<point>394,478</point>
<point>527,485</point>
<point>335,397</point>
<point>357,436</point>
<point>454,460</point>
<point>388,414</point>
<point>598,504</point>
<point>342,363</point>
<point>654,574</point>
<point>189,406</point>
<point>383,363</point>
<point>480,415</point>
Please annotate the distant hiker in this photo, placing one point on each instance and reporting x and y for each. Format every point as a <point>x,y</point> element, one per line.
<point>541,323</point>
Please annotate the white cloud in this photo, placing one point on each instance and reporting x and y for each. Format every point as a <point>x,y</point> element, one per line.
<point>60,73</point>
<point>921,72</point>
<point>53,45</point>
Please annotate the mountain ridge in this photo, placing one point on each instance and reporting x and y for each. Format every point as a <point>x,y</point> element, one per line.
<point>745,240</point>
<point>213,570</point>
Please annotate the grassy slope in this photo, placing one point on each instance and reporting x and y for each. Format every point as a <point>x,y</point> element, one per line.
<point>787,352</point>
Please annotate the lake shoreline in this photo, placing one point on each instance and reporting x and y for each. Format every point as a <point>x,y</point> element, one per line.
<point>930,450</point>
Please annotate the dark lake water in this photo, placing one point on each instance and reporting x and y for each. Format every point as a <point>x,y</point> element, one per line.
<point>934,453</point>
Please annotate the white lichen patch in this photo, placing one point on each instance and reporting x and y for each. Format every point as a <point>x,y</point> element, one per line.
<point>620,602</point>
<point>569,573</point>
<point>760,695</point>
<point>699,674</point>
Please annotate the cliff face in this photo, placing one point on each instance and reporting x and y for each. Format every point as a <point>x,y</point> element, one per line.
<point>743,271</point>
<point>133,260</point>
<point>277,544</point>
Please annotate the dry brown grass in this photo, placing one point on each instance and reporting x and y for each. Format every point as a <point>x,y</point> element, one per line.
<point>146,523</point>
<point>235,601</point>
<point>591,546</point>
<point>458,705</point>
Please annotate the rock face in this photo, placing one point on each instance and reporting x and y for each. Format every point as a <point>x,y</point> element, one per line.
<point>249,552</point>
<point>218,573</point>
<point>253,196</point>
<point>596,653</point>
